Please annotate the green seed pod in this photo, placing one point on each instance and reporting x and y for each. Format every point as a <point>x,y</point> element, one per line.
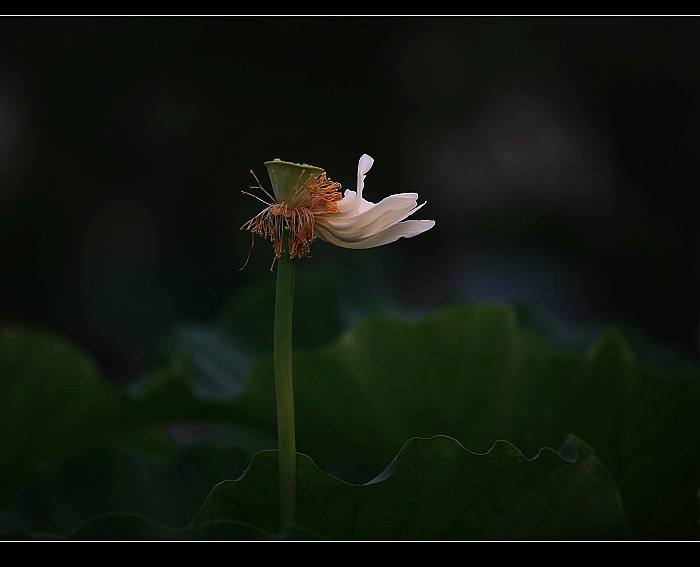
<point>287,178</point>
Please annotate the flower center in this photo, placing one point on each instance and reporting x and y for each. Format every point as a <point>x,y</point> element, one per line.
<point>317,195</point>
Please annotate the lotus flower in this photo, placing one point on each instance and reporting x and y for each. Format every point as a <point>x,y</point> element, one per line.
<point>308,203</point>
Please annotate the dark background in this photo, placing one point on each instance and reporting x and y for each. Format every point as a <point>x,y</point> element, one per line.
<point>559,157</point>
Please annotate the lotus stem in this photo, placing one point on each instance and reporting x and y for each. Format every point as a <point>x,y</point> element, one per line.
<point>284,392</point>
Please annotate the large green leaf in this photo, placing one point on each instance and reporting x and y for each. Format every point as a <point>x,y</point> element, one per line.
<point>473,373</point>
<point>328,296</point>
<point>53,400</point>
<point>58,498</point>
<point>437,490</point>
<point>564,337</point>
<point>121,494</point>
<point>131,527</point>
<point>434,489</point>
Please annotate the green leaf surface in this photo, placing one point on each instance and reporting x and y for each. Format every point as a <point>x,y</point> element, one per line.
<point>53,400</point>
<point>475,374</point>
<point>566,338</point>
<point>119,494</point>
<point>129,527</point>
<point>60,497</point>
<point>326,300</point>
<point>437,490</point>
<point>471,372</point>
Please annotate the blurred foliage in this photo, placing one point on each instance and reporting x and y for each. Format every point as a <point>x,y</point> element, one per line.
<point>473,373</point>
<point>59,498</point>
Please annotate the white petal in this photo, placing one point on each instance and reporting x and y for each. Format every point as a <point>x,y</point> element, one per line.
<point>405,229</point>
<point>352,200</point>
<point>381,216</point>
<point>368,211</point>
<point>359,223</point>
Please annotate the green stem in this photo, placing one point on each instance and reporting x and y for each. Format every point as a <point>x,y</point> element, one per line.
<point>286,444</point>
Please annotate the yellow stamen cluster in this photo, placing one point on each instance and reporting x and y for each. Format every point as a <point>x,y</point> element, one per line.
<point>318,195</point>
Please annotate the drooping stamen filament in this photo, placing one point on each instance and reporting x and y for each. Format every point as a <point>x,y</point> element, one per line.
<point>318,195</point>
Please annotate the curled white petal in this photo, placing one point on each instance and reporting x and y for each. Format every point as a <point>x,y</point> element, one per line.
<point>352,200</point>
<point>359,223</point>
<point>374,217</point>
<point>405,229</point>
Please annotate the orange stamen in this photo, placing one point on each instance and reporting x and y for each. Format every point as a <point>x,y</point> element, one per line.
<point>317,196</point>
